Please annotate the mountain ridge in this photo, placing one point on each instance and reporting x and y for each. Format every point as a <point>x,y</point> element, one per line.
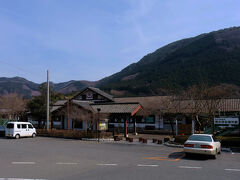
<point>178,65</point>
<point>212,58</point>
<point>28,88</point>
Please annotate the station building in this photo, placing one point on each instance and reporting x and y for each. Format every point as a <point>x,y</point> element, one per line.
<point>93,106</point>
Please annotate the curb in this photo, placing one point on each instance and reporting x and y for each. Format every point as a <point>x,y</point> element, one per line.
<point>226,149</point>
<point>95,139</point>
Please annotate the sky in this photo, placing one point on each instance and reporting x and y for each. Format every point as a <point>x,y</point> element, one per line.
<point>92,39</point>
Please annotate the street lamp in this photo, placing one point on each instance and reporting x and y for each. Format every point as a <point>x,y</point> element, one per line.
<point>98,109</point>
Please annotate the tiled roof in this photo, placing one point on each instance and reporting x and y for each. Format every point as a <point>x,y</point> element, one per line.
<point>168,103</point>
<point>84,104</point>
<point>60,103</point>
<point>98,91</point>
<point>117,107</point>
<point>57,105</point>
<point>148,102</point>
<point>104,94</point>
<point>54,108</point>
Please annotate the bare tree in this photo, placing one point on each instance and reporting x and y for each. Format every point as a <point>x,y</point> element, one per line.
<point>212,102</point>
<point>196,95</point>
<point>205,100</point>
<point>14,105</point>
<point>171,110</point>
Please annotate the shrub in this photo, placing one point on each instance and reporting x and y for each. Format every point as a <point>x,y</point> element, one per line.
<point>229,141</point>
<point>71,134</point>
<point>166,139</point>
<point>181,139</point>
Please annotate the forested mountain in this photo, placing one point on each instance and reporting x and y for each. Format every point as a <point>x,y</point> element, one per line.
<point>212,58</point>
<point>28,89</point>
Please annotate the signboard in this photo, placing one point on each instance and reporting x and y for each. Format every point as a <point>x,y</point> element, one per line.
<point>89,95</point>
<point>226,121</point>
<point>102,126</point>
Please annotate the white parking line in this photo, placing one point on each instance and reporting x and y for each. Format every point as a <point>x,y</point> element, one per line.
<point>19,179</point>
<point>62,163</point>
<point>24,163</point>
<point>232,169</point>
<point>189,167</point>
<point>147,165</point>
<point>106,164</point>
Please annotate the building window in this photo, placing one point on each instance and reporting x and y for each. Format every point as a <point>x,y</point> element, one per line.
<point>95,96</point>
<point>83,97</point>
<point>139,119</point>
<point>150,120</point>
<point>78,124</point>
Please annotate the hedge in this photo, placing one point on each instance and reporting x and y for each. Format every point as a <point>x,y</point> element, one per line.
<point>229,141</point>
<point>181,139</point>
<point>71,134</point>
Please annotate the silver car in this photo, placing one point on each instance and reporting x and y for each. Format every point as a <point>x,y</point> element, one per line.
<point>202,144</point>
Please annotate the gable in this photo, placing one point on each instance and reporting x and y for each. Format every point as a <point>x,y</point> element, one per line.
<point>91,95</point>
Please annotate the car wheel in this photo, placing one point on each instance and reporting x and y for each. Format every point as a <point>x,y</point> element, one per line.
<point>219,152</point>
<point>215,155</point>
<point>17,136</point>
<point>34,135</point>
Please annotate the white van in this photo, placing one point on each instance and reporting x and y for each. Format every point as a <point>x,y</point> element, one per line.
<point>20,129</point>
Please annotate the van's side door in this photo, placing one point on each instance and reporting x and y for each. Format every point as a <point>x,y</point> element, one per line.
<point>24,130</point>
<point>30,130</point>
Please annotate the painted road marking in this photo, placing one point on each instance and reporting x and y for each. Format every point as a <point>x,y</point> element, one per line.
<point>19,179</point>
<point>189,167</point>
<point>166,158</point>
<point>106,164</point>
<point>68,163</point>
<point>147,165</point>
<point>177,159</point>
<point>24,163</point>
<point>157,158</point>
<point>232,169</point>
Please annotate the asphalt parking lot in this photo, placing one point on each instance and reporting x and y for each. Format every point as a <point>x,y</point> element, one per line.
<point>53,158</point>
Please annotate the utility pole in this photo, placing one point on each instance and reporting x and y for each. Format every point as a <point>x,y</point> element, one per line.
<point>176,127</point>
<point>193,126</point>
<point>47,100</point>
<point>68,114</point>
<point>126,129</point>
<point>98,129</point>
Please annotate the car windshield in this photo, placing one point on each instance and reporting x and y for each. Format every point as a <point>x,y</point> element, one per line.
<point>10,126</point>
<point>200,138</point>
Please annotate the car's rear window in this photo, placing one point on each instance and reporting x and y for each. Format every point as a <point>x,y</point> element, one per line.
<point>10,126</point>
<point>200,138</point>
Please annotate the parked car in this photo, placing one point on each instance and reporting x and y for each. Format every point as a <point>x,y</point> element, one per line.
<point>20,129</point>
<point>202,144</point>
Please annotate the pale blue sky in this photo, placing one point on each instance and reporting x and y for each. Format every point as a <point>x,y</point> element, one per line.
<point>92,39</point>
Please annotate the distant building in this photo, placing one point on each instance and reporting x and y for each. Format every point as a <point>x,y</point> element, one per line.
<point>91,105</point>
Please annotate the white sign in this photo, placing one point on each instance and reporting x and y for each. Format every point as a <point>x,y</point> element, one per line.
<point>227,121</point>
<point>89,95</point>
